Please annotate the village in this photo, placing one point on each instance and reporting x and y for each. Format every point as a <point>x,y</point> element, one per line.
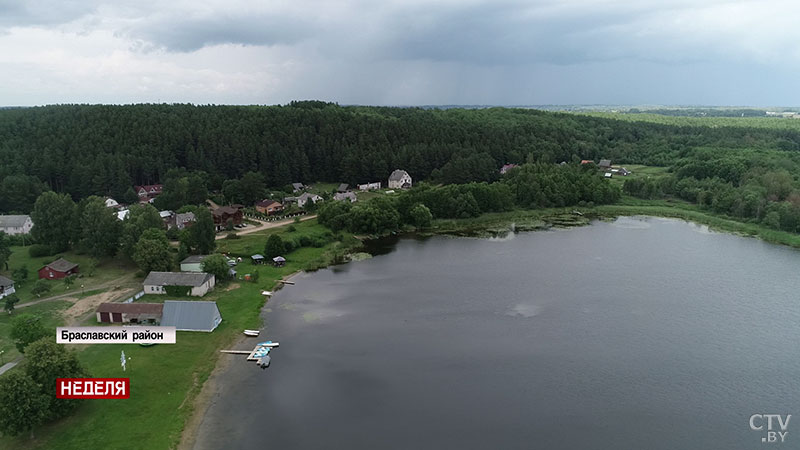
<point>74,289</point>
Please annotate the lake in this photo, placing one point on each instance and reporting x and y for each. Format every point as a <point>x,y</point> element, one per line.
<point>638,333</point>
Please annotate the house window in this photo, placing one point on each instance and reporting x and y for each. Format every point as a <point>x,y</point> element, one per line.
<point>51,274</point>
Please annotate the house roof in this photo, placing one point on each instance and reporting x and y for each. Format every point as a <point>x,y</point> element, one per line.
<point>131,308</point>
<point>397,175</point>
<point>61,265</point>
<point>12,221</point>
<point>191,315</point>
<point>345,196</point>
<point>307,196</point>
<point>225,210</point>
<point>6,281</point>
<point>192,259</point>
<point>297,185</point>
<point>267,203</point>
<point>605,163</point>
<point>165,214</point>
<point>279,259</point>
<point>184,217</point>
<point>149,187</point>
<point>177,278</point>
<point>343,187</point>
<point>257,256</point>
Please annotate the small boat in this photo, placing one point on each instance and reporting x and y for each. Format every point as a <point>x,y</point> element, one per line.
<point>147,344</point>
<point>253,333</point>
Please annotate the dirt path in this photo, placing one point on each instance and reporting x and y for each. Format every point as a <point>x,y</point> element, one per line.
<point>85,306</point>
<point>123,280</point>
<point>268,225</point>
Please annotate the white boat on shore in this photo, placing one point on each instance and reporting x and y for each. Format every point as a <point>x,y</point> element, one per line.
<point>253,333</point>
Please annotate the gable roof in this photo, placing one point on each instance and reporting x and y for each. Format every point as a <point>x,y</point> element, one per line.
<point>187,315</point>
<point>185,217</point>
<point>61,265</point>
<point>398,175</point>
<point>192,259</point>
<point>339,196</point>
<point>605,163</point>
<point>307,196</point>
<point>131,308</point>
<point>267,203</point>
<point>343,187</point>
<point>13,221</point>
<point>222,210</point>
<point>298,185</point>
<point>193,279</point>
<point>5,282</point>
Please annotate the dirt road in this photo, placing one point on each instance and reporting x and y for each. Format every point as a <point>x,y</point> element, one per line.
<point>267,225</point>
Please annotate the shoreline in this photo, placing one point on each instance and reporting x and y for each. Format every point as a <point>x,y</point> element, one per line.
<point>491,225</point>
<point>203,401</point>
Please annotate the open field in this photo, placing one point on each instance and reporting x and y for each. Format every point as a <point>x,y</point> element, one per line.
<point>777,123</point>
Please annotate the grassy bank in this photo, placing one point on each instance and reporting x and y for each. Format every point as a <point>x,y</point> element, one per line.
<point>166,379</point>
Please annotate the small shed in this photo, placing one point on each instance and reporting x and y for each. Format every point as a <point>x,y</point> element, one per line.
<point>279,261</point>
<point>604,164</point>
<point>344,187</point>
<point>187,315</point>
<point>193,263</point>
<point>58,269</point>
<point>257,259</point>
<point>6,286</point>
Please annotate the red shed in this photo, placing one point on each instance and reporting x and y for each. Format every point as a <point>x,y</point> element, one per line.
<point>58,269</point>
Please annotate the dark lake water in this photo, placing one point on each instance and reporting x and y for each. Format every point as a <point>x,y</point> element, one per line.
<point>643,333</point>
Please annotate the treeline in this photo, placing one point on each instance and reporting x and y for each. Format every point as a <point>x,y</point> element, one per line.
<point>84,150</point>
<point>755,186</point>
<point>528,186</point>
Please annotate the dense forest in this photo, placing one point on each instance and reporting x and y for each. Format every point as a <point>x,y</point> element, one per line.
<point>102,150</point>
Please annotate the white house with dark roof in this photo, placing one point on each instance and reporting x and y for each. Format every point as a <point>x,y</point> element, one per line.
<point>6,286</point>
<point>15,224</point>
<point>193,263</point>
<point>340,196</point>
<point>197,283</point>
<point>399,179</point>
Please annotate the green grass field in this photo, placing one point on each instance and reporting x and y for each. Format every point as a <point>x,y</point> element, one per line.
<point>108,269</point>
<point>49,313</point>
<point>739,122</point>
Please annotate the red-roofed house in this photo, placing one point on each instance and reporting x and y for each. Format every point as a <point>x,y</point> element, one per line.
<point>148,191</point>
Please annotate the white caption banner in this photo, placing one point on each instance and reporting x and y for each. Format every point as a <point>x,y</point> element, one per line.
<point>115,335</point>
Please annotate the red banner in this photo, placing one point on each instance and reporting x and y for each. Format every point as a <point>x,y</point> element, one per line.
<point>93,388</point>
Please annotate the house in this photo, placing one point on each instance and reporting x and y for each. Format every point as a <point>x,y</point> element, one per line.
<point>193,263</point>
<point>303,199</point>
<point>129,313</point>
<point>279,261</point>
<point>12,225</point>
<point>506,168</point>
<point>148,191</point>
<point>399,179</point>
<point>344,187</point>
<point>58,269</point>
<point>111,203</point>
<point>197,283</point>
<point>297,187</point>
<point>187,315</point>
<point>587,161</point>
<point>604,164</point>
<point>168,217</point>
<point>257,259</point>
<point>123,214</point>
<point>6,286</point>
<point>222,214</point>
<point>369,186</point>
<point>269,207</point>
<point>184,220</point>
<point>339,196</point>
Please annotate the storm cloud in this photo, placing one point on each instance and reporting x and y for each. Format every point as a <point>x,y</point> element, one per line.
<point>400,52</point>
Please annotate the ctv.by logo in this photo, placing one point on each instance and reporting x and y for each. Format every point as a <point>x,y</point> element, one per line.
<point>776,425</point>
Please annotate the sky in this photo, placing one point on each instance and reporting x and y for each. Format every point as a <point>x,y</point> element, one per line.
<point>401,52</point>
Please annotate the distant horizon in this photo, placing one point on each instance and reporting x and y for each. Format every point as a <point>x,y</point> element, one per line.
<point>648,106</point>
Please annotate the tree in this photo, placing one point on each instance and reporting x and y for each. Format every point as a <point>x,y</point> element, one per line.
<point>52,217</point>
<point>40,287</point>
<point>90,267</point>
<point>140,218</point>
<point>100,228</point>
<point>47,361</point>
<point>421,216</point>
<point>152,252</point>
<point>202,232</point>
<point>274,246</point>
<point>23,405</point>
<point>69,281</point>
<point>10,301</point>
<point>216,265</point>
<point>5,249</point>
<point>20,275</point>
<point>27,328</point>
<point>130,197</point>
